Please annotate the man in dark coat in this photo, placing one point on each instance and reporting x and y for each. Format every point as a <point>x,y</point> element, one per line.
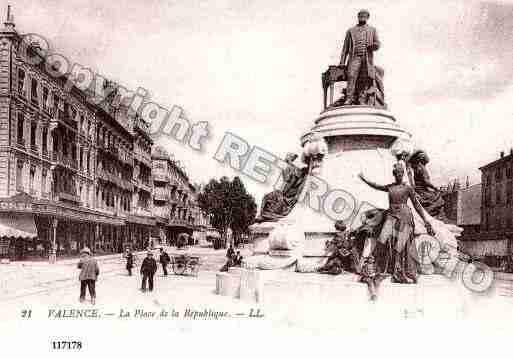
<point>359,45</point>
<point>148,269</point>
<point>89,272</point>
<point>164,260</point>
<point>230,252</point>
<point>129,261</point>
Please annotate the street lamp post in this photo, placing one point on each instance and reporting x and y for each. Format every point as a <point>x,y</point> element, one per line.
<point>53,254</point>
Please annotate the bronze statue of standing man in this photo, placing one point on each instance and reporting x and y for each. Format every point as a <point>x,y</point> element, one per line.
<point>359,45</point>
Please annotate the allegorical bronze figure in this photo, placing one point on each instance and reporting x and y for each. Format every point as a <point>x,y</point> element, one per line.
<point>428,194</point>
<point>278,204</point>
<point>397,230</point>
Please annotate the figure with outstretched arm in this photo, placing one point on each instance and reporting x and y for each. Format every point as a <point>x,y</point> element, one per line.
<point>398,226</point>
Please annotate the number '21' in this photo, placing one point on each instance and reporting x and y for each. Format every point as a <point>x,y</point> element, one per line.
<point>26,313</point>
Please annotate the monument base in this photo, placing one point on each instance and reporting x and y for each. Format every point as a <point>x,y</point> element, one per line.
<point>433,296</point>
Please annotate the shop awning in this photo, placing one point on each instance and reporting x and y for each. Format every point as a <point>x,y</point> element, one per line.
<point>17,226</point>
<point>497,247</point>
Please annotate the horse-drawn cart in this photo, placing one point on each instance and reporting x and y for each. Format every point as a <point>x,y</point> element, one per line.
<point>183,263</point>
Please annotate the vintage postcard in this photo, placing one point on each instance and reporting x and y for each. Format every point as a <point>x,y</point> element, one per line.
<point>242,178</point>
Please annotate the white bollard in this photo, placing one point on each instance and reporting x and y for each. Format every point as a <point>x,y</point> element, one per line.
<point>227,284</point>
<point>251,285</point>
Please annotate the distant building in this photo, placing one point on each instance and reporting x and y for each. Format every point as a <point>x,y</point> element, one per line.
<point>495,236</point>
<point>463,208</point>
<point>175,204</point>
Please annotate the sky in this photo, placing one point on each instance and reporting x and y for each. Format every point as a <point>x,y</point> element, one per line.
<point>253,68</point>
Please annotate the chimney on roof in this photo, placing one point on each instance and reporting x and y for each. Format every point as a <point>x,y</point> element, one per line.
<point>502,154</point>
<point>511,151</point>
<point>9,21</point>
<point>468,183</point>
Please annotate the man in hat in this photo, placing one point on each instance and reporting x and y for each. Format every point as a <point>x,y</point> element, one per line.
<point>129,261</point>
<point>89,272</point>
<point>164,260</point>
<point>359,45</point>
<point>148,269</point>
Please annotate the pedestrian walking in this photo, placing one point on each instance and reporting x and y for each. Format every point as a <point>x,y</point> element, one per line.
<point>148,269</point>
<point>129,261</point>
<point>164,260</point>
<point>89,272</point>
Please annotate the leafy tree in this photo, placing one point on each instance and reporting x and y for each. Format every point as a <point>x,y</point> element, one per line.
<point>229,205</point>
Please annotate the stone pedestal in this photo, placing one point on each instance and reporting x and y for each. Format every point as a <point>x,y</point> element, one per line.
<point>359,139</point>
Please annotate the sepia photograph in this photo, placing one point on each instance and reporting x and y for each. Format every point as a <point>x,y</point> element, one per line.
<point>256,178</point>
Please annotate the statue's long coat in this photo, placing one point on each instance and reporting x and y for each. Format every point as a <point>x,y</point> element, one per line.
<point>372,41</point>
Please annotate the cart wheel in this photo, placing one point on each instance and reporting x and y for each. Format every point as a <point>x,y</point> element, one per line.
<point>179,267</point>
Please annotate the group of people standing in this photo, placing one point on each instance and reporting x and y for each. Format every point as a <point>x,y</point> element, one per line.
<point>89,270</point>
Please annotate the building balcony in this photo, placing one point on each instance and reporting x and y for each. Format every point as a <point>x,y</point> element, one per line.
<point>67,197</point>
<point>179,222</point>
<point>141,211</point>
<point>65,118</point>
<point>68,162</point>
<point>113,150</point>
<point>142,157</point>
<point>118,181</point>
<point>107,210</point>
<point>126,158</point>
<point>160,177</point>
<point>161,211</point>
<point>20,143</point>
<point>46,154</point>
<point>34,150</point>
<point>145,186</point>
<point>121,213</point>
<point>103,175</point>
<point>161,194</point>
